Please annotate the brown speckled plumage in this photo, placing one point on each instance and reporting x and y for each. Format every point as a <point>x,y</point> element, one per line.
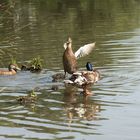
<point>69,59</point>
<point>84,79</point>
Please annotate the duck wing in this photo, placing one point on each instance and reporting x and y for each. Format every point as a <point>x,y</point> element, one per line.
<point>84,50</point>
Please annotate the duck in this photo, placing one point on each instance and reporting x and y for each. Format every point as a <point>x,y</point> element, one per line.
<point>30,98</point>
<point>70,58</point>
<point>12,70</point>
<point>84,78</point>
<point>58,77</point>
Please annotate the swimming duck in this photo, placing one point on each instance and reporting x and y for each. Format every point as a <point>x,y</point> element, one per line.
<point>30,98</point>
<point>12,70</point>
<point>84,78</point>
<point>58,77</point>
<point>70,58</point>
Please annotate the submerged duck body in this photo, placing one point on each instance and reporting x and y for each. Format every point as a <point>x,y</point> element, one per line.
<point>70,58</point>
<point>12,70</point>
<point>84,78</point>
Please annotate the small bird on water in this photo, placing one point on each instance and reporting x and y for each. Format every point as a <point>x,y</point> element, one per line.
<point>70,58</point>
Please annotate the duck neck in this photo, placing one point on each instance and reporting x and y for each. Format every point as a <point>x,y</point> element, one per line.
<point>69,48</point>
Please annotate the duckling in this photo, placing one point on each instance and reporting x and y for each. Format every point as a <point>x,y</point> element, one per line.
<point>30,98</point>
<point>12,70</point>
<point>25,68</point>
<point>33,69</point>
<point>57,77</point>
<point>70,58</point>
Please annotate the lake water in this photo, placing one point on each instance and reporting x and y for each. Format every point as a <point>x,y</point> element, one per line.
<point>32,28</point>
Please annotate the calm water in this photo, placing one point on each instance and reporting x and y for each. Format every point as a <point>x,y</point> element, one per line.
<point>31,28</point>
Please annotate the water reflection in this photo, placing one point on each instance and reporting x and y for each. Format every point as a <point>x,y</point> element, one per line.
<point>41,27</point>
<point>79,107</point>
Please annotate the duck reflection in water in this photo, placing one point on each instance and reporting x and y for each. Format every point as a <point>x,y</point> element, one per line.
<point>80,108</point>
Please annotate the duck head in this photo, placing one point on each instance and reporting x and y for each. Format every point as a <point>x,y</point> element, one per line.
<point>68,43</point>
<point>89,66</point>
<point>13,67</point>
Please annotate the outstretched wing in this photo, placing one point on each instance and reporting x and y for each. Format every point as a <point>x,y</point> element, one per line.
<point>84,50</point>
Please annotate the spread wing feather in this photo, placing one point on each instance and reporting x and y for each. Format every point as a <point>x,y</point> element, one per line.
<point>84,50</point>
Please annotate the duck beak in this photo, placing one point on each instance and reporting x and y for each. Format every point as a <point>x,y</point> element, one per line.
<point>18,68</point>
